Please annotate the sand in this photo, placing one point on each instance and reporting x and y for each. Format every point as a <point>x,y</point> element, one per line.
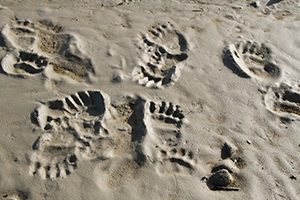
<point>149,99</point>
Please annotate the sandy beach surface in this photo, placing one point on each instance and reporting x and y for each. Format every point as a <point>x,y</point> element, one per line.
<point>150,99</point>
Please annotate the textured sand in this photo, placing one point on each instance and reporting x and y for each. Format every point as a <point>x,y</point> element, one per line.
<point>150,99</point>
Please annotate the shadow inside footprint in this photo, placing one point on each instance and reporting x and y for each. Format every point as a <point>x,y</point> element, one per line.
<point>181,163</point>
<point>27,68</point>
<point>272,69</point>
<point>182,42</point>
<point>271,2</point>
<point>291,97</point>
<point>2,41</point>
<point>230,64</point>
<point>136,121</point>
<point>1,69</point>
<point>34,117</point>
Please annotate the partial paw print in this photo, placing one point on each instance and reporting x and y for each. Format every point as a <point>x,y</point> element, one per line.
<point>279,9</point>
<point>250,59</point>
<point>20,34</point>
<point>284,100</point>
<point>39,37</point>
<point>54,160</point>
<point>165,120</point>
<point>23,63</point>
<point>225,174</point>
<point>69,62</point>
<point>56,154</point>
<point>176,160</point>
<point>160,127</point>
<point>73,130</point>
<point>167,112</point>
<point>46,40</point>
<point>163,50</point>
<point>25,35</point>
<point>166,36</point>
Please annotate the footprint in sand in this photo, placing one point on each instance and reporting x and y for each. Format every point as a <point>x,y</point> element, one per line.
<point>73,131</point>
<point>250,59</point>
<point>163,50</point>
<point>156,137</point>
<point>176,160</point>
<point>284,100</point>
<point>154,124</point>
<point>163,144</point>
<point>44,40</point>
<point>85,126</point>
